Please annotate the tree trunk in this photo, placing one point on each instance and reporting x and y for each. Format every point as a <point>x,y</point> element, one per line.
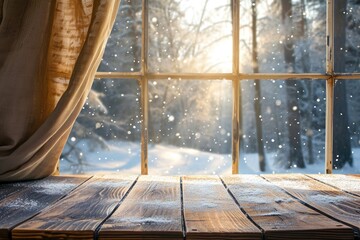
<point>309,130</point>
<point>257,95</point>
<point>295,157</point>
<point>305,62</point>
<point>342,146</point>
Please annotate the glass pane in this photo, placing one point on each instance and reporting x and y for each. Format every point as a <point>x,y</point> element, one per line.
<point>190,127</point>
<point>285,119</point>
<point>123,48</point>
<point>106,135</point>
<point>347,127</point>
<point>282,36</point>
<point>190,36</point>
<point>347,36</point>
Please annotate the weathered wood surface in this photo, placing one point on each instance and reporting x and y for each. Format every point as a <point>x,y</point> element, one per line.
<point>32,199</point>
<point>329,200</point>
<point>347,183</point>
<point>79,214</point>
<point>211,213</point>
<point>116,208</point>
<point>152,210</point>
<point>6,189</point>
<point>280,215</point>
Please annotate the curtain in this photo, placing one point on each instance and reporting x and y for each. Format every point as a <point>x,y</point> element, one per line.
<point>49,53</point>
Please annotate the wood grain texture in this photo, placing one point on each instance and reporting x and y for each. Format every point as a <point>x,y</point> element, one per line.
<point>280,215</point>
<point>152,210</point>
<point>211,213</point>
<point>6,189</point>
<point>329,200</point>
<point>347,183</point>
<point>79,214</point>
<point>34,198</point>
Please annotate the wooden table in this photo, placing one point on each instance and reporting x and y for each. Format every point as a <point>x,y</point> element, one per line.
<point>193,207</point>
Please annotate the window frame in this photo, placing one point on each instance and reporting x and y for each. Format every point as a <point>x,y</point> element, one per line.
<point>236,77</point>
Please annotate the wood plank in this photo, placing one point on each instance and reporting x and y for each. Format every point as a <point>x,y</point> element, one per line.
<point>280,215</point>
<point>329,200</point>
<point>34,198</point>
<point>211,213</point>
<point>79,214</point>
<point>347,183</point>
<point>6,189</point>
<point>152,210</point>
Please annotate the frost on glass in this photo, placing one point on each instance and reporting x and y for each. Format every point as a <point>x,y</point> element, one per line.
<point>190,127</point>
<point>123,48</point>
<point>347,126</point>
<point>347,36</point>
<point>106,134</point>
<point>190,36</point>
<point>282,36</point>
<point>291,117</point>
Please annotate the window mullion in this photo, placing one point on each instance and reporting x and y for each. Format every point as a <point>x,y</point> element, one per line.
<point>190,76</point>
<point>144,89</point>
<point>285,76</point>
<point>347,76</point>
<point>236,88</point>
<point>132,75</point>
<point>212,76</point>
<point>144,125</point>
<point>329,87</point>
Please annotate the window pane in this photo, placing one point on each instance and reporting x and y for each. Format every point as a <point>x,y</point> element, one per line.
<point>190,36</point>
<point>190,127</point>
<point>106,135</point>
<point>289,36</point>
<point>291,117</point>
<point>347,127</point>
<point>123,48</point>
<point>347,36</point>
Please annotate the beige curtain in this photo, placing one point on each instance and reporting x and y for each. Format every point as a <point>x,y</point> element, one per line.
<point>49,53</point>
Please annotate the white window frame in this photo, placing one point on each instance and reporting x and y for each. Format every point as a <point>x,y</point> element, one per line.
<point>236,76</point>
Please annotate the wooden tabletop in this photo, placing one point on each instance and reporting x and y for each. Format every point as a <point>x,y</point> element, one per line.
<point>291,206</point>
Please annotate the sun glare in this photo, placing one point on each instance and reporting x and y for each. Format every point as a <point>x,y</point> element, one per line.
<point>212,32</point>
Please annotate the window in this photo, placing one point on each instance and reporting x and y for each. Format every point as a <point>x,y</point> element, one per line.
<point>220,87</point>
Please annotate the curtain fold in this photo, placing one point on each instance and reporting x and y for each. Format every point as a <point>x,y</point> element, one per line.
<point>49,53</point>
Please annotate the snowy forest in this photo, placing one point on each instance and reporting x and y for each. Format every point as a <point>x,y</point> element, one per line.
<point>282,122</point>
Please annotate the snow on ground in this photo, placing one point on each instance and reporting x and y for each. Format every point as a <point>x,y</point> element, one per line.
<point>124,157</point>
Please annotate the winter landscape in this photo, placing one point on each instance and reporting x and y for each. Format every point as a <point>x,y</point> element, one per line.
<point>282,122</point>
